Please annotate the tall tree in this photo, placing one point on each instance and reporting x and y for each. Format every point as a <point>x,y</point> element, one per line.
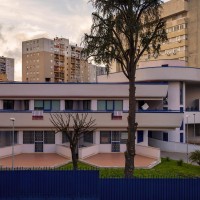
<point>123,30</point>
<point>73,126</point>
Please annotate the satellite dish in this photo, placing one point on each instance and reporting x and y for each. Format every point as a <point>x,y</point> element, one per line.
<point>145,106</point>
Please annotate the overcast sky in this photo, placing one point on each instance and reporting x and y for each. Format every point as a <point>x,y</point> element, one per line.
<point>22,20</point>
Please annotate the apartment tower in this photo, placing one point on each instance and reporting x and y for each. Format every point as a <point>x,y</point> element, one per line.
<point>47,60</point>
<point>6,69</point>
<point>183,31</point>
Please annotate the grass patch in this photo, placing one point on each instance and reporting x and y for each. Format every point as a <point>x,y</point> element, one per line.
<point>166,169</point>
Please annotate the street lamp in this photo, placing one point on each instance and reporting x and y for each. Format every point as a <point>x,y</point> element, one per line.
<point>194,125</point>
<point>187,136</point>
<point>13,140</point>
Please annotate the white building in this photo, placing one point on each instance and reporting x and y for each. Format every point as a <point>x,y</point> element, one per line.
<point>183,96</point>
<point>167,112</point>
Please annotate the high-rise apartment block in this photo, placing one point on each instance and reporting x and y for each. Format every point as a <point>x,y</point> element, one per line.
<point>183,31</point>
<point>6,69</point>
<point>47,60</point>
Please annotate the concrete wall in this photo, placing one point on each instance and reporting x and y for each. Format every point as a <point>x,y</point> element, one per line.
<point>173,146</point>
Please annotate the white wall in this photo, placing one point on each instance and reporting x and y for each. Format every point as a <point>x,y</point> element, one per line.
<point>93,104</point>
<point>125,104</point>
<point>88,151</point>
<point>63,151</point>
<point>173,146</point>
<point>7,151</point>
<point>28,148</point>
<point>20,137</point>
<point>1,104</point>
<point>49,148</point>
<point>58,138</point>
<point>31,105</point>
<point>62,104</point>
<point>147,151</point>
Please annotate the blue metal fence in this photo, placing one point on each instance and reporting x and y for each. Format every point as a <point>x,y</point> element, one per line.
<point>55,184</point>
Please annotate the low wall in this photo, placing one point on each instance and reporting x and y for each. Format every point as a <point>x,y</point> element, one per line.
<point>7,151</point>
<point>173,146</point>
<point>63,151</point>
<point>148,151</point>
<point>88,151</point>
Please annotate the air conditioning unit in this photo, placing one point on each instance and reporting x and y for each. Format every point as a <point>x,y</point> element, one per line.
<point>168,53</point>
<point>117,113</point>
<point>37,114</point>
<point>174,51</point>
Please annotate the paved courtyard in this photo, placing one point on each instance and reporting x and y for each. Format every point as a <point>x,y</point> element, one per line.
<point>54,160</point>
<point>34,160</point>
<point>117,160</point>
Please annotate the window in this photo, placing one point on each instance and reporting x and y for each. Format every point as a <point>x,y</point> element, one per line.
<point>109,105</point>
<point>124,137</point>
<point>49,137</point>
<point>88,137</point>
<point>77,105</point>
<point>47,105</point>
<point>6,138</point>
<point>101,105</point>
<point>28,137</point>
<point>8,104</point>
<point>64,138</point>
<point>105,137</point>
<point>140,136</point>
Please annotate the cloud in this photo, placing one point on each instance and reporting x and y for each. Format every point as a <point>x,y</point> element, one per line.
<point>22,20</point>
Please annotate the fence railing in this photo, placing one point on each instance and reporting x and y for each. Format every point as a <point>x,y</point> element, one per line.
<point>58,184</point>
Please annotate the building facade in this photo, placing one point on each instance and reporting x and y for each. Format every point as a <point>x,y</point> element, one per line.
<point>32,103</point>
<point>46,60</point>
<point>182,95</point>
<point>6,69</point>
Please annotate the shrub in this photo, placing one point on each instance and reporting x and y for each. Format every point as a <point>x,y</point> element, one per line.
<point>195,157</point>
<point>180,162</point>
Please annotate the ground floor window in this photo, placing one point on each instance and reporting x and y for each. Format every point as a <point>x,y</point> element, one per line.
<point>106,137</point>
<point>6,138</point>
<point>88,137</point>
<point>47,137</point>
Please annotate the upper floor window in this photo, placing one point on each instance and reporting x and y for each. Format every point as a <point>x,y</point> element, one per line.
<point>47,105</point>
<point>8,104</point>
<point>77,104</point>
<point>109,105</point>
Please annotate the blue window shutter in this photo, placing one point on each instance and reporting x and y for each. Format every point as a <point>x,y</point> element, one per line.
<point>165,136</point>
<point>181,137</point>
<point>140,136</point>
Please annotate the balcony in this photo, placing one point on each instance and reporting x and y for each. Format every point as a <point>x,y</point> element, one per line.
<point>146,120</point>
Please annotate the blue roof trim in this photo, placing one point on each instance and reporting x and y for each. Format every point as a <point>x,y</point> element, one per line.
<point>69,83</point>
<point>91,111</point>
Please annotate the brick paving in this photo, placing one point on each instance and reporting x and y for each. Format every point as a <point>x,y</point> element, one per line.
<point>34,160</point>
<point>117,160</point>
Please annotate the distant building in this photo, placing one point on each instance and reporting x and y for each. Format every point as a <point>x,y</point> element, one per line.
<point>6,69</point>
<point>183,31</point>
<point>94,71</point>
<point>47,60</point>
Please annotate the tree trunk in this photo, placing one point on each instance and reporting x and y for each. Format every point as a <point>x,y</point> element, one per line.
<point>132,127</point>
<point>74,158</point>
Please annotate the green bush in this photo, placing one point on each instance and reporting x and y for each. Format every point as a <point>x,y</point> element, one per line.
<point>195,157</point>
<point>180,162</point>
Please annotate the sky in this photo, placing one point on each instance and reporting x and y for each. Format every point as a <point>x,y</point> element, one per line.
<point>22,20</point>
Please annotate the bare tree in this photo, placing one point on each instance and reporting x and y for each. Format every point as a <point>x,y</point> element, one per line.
<point>74,126</point>
<point>123,30</point>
